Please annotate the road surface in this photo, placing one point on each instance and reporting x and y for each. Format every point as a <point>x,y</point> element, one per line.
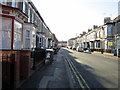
<point>97,71</point>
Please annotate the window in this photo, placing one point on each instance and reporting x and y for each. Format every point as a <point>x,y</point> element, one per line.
<point>35,19</point>
<point>27,42</point>
<point>27,33</point>
<point>1,1</point>
<point>4,2</point>
<point>23,6</point>
<point>28,14</point>
<point>95,35</point>
<point>40,40</point>
<point>13,3</point>
<point>98,44</point>
<point>17,35</point>
<point>109,30</point>
<point>32,17</point>
<point>98,34</point>
<point>5,33</point>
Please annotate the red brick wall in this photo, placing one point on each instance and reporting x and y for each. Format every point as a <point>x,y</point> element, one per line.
<point>24,64</point>
<point>17,68</point>
<point>21,68</point>
<point>6,68</point>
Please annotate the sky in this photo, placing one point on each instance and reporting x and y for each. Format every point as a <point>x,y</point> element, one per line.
<point>69,18</point>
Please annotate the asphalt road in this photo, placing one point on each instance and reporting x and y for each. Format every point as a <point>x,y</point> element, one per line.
<point>97,71</point>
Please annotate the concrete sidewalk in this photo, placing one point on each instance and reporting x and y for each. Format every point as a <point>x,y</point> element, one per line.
<point>107,55</point>
<point>50,76</point>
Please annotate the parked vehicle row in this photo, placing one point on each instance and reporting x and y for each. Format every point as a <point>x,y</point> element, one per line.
<point>80,49</point>
<point>77,48</point>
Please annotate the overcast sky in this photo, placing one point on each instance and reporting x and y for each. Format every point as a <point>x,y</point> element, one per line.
<point>68,18</point>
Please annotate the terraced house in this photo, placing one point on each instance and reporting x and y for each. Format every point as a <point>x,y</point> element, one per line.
<point>102,38</point>
<point>22,31</point>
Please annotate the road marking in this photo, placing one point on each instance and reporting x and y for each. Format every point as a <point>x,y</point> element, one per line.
<point>79,77</point>
<point>80,83</point>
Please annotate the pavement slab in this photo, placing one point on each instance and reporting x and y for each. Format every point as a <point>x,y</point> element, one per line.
<point>50,76</point>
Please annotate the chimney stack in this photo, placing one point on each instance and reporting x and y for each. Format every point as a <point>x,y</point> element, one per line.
<point>89,30</point>
<point>84,33</point>
<point>95,26</point>
<point>107,20</point>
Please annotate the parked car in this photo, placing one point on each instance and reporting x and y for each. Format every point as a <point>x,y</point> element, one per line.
<point>74,48</point>
<point>70,47</point>
<point>80,49</point>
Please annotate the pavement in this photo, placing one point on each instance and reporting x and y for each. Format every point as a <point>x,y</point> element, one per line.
<point>106,55</point>
<point>49,76</point>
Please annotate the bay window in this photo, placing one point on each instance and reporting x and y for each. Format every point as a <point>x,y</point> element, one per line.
<point>24,6</point>
<point>1,1</point>
<point>17,35</point>
<point>28,14</point>
<point>13,3</point>
<point>4,2</point>
<point>27,42</point>
<point>32,17</point>
<point>5,33</point>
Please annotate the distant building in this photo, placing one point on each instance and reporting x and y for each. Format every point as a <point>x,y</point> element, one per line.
<point>107,20</point>
<point>101,38</point>
<point>70,42</point>
<point>62,44</point>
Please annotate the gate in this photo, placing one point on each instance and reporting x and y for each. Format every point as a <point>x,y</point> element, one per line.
<point>39,57</point>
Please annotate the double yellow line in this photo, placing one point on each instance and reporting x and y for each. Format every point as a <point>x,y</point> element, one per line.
<point>81,82</point>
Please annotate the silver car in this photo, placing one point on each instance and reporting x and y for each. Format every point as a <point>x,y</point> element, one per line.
<point>80,49</point>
